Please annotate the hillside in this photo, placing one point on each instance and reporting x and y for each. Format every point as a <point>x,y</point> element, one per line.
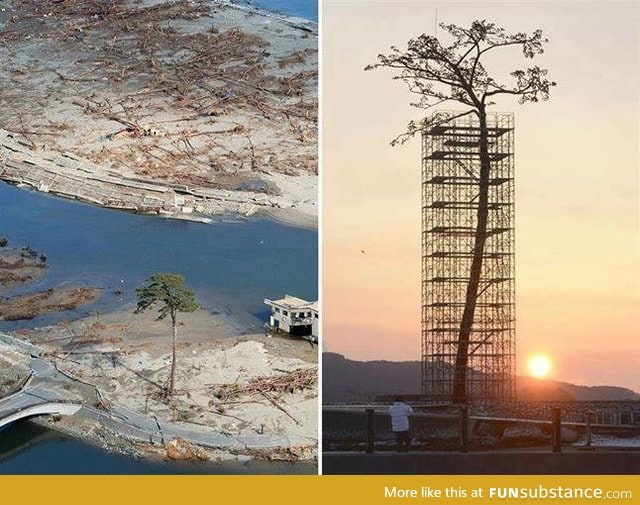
<point>349,381</point>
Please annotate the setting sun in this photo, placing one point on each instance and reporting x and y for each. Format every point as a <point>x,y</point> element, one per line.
<point>539,365</point>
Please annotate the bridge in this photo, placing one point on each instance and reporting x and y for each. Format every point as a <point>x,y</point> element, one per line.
<point>24,404</point>
<point>50,391</point>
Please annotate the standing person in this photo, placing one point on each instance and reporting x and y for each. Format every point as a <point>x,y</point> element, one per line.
<point>399,413</point>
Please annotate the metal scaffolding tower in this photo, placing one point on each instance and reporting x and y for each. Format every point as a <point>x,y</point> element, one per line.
<point>450,187</point>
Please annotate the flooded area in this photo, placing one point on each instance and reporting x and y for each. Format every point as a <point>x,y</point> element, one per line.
<point>232,266</point>
<point>98,257</point>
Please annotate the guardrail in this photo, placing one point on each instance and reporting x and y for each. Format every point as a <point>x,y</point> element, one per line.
<point>367,428</point>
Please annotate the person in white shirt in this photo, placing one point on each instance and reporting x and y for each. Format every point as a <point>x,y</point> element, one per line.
<point>399,413</point>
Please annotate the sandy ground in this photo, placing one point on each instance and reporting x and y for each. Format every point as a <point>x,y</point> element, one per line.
<point>144,328</point>
<point>255,384</point>
<point>194,93</point>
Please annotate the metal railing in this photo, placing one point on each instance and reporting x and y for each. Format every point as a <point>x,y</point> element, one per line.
<point>367,427</point>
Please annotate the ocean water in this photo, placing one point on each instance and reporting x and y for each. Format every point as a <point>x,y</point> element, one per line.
<point>307,9</point>
<point>231,267</point>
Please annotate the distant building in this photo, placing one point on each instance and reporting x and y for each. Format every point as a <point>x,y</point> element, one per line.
<point>295,316</point>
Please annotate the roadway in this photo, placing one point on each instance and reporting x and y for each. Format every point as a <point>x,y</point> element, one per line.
<point>48,386</point>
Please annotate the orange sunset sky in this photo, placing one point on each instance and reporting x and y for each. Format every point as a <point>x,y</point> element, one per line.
<point>577,234</point>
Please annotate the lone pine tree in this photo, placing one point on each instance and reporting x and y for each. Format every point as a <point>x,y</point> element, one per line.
<point>457,73</point>
<point>168,290</point>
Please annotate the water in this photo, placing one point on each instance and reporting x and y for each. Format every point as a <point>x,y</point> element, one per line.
<point>26,448</point>
<point>228,265</point>
<point>307,9</point>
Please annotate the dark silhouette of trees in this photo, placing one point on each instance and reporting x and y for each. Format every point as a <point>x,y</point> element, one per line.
<point>457,73</point>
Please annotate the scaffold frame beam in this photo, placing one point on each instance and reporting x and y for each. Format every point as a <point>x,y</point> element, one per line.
<point>450,187</point>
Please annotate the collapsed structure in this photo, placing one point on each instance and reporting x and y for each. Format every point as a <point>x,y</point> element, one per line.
<point>450,188</point>
<point>295,316</point>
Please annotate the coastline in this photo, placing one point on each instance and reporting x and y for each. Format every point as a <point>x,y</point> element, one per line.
<point>213,116</point>
<point>295,21</point>
<point>112,360</point>
<point>182,142</point>
<point>220,462</point>
<point>116,428</point>
<point>73,178</point>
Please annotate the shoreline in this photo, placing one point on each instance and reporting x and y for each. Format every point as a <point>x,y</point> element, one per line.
<point>113,444</point>
<point>214,115</point>
<point>116,428</point>
<point>291,217</point>
<point>58,175</point>
<point>295,21</point>
<point>70,351</point>
<point>115,364</point>
<point>164,128</point>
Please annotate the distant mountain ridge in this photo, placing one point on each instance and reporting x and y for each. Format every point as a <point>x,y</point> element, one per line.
<point>349,381</point>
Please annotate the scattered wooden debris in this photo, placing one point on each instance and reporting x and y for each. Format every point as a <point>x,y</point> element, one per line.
<point>179,449</point>
<point>300,379</point>
<point>190,80</point>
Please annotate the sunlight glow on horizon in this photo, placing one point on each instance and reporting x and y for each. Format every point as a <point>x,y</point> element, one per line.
<point>539,365</point>
<point>577,192</point>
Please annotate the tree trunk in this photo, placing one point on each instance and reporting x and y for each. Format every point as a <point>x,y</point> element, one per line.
<point>462,356</point>
<point>172,378</point>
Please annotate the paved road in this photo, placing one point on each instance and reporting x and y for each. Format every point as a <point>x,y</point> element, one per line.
<point>35,400</point>
<point>49,385</point>
<point>34,392</point>
<point>18,402</point>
